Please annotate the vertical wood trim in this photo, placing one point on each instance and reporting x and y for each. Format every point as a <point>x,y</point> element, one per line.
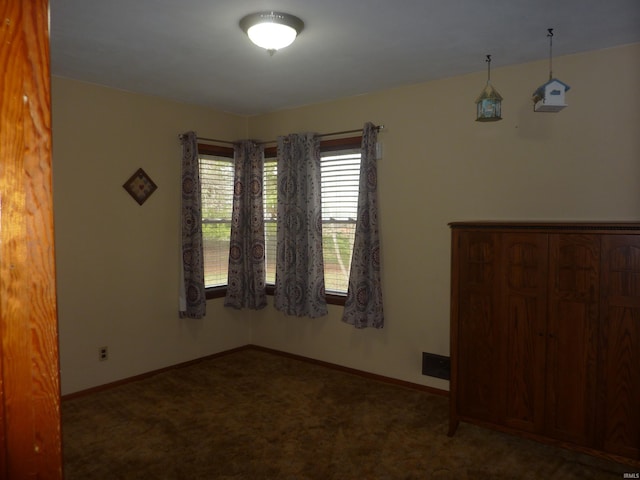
<point>29,373</point>
<point>453,333</point>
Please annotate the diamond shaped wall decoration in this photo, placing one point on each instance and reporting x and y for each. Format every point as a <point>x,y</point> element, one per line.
<point>140,186</point>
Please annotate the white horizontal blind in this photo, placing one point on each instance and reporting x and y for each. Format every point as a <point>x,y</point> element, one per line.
<point>340,173</point>
<point>270,202</point>
<point>340,179</point>
<point>216,183</point>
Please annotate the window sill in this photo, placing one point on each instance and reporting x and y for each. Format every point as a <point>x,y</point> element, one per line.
<point>219,292</point>
<point>215,292</point>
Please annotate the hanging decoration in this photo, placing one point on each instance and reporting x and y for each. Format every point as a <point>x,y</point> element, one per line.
<point>140,186</point>
<point>489,102</point>
<point>549,97</point>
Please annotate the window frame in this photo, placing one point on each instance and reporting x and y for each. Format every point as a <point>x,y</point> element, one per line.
<point>329,145</point>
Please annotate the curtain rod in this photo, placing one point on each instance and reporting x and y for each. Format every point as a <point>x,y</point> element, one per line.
<point>344,132</point>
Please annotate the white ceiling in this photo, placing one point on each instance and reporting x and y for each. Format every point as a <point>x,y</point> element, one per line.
<point>194,51</point>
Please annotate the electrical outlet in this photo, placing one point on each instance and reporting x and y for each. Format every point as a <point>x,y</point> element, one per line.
<point>103,354</point>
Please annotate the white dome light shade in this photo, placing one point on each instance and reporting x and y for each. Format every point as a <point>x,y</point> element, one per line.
<point>272,36</point>
<point>271,30</point>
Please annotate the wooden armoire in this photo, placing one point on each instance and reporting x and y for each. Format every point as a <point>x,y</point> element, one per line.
<point>545,332</point>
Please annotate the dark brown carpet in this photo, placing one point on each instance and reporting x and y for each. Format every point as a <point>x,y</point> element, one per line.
<point>255,415</point>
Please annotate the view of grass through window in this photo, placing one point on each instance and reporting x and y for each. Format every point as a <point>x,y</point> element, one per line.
<point>340,176</point>
<point>216,183</point>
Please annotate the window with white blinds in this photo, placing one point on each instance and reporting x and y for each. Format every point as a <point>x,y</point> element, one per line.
<point>216,183</point>
<point>340,173</point>
<point>340,177</point>
<point>270,203</point>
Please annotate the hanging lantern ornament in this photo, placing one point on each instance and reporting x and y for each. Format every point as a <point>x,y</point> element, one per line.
<point>489,102</point>
<point>549,97</point>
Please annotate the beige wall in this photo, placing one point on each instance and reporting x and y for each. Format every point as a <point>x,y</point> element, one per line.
<point>439,166</point>
<point>118,262</point>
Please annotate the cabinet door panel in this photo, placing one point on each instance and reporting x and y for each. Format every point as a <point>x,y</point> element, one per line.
<point>620,339</point>
<point>572,337</point>
<point>524,285</point>
<point>479,333</point>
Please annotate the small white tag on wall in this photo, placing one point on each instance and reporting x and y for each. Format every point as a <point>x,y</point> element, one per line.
<point>378,150</point>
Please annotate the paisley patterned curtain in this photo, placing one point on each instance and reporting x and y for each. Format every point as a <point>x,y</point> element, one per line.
<point>363,307</point>
<point>299,264</point>
<point>247,277</point>
<point>192,293</point>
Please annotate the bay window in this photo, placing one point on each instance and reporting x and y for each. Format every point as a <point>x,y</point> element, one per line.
<point>340,170</point>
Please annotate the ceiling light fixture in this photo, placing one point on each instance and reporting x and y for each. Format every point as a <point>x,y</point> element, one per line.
<point>271,30</point>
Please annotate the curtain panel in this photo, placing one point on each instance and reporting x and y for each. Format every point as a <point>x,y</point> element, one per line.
<point>299,288</point>
<point>247,276</point>
<point>192,292</point>
<point>363,307</point>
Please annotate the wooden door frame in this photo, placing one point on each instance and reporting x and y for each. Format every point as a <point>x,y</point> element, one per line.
<point>30,434</point>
